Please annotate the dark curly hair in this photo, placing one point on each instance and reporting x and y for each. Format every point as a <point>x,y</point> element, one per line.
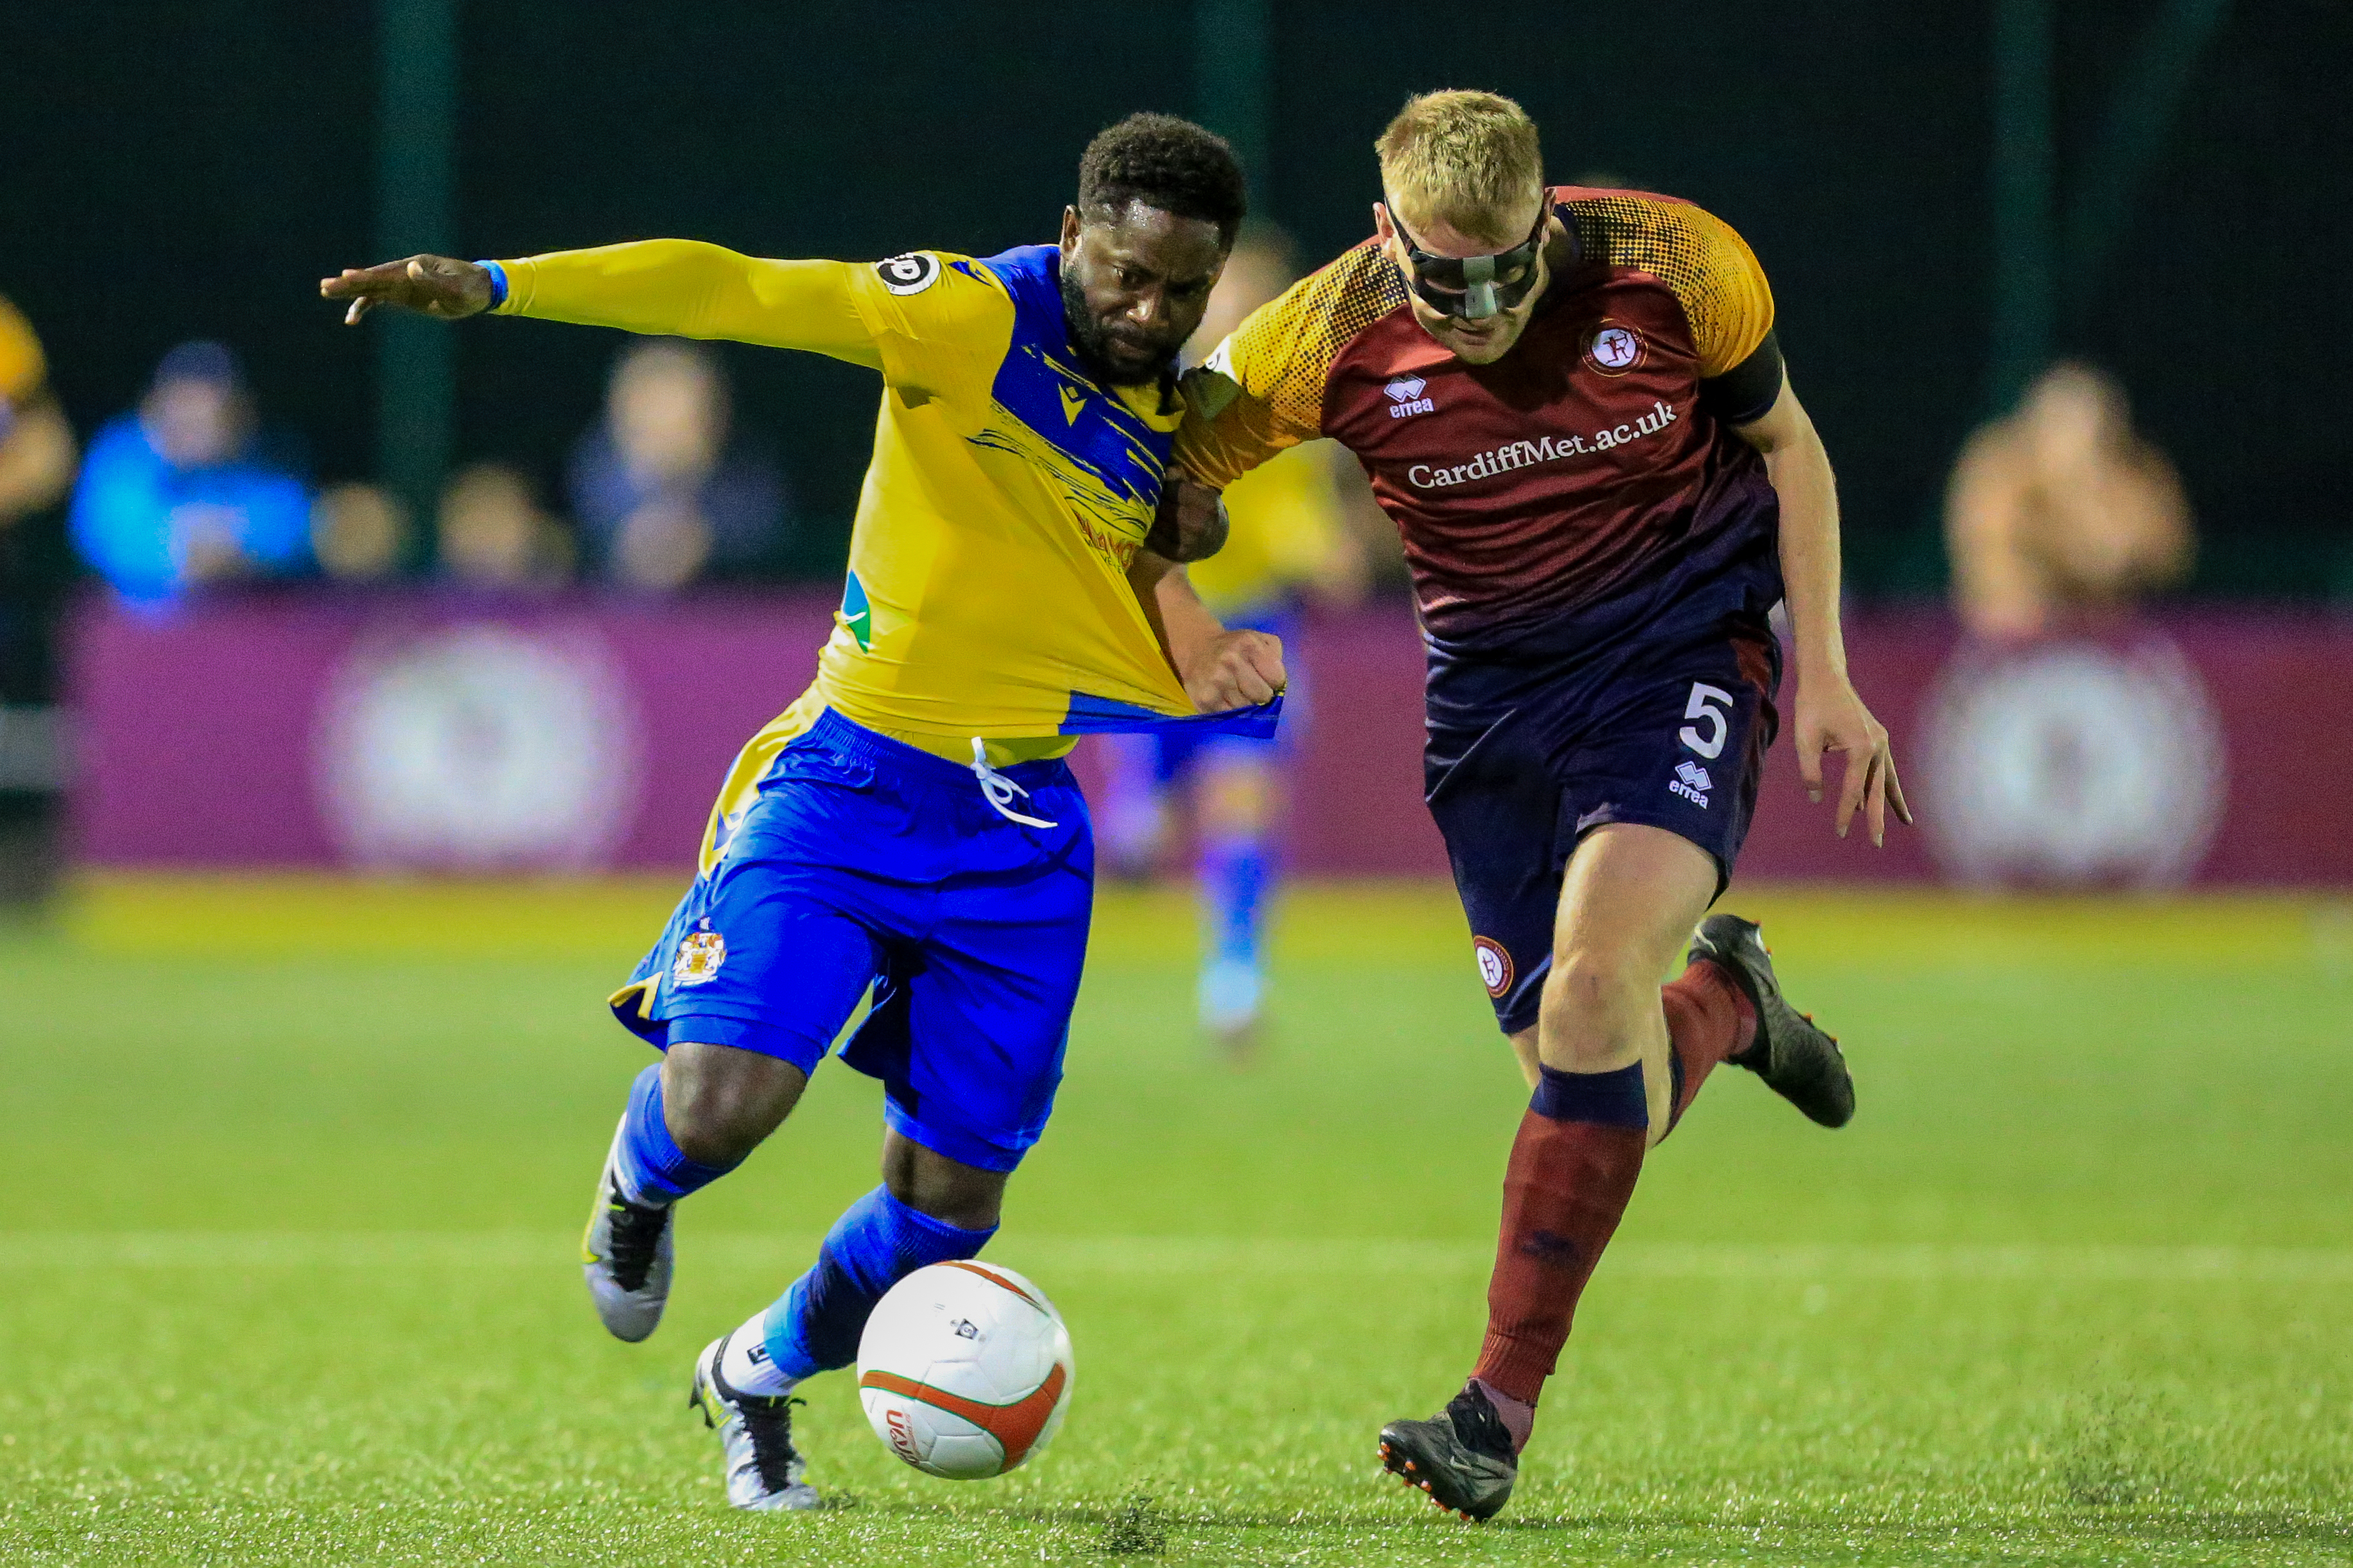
<point>1166,162</point>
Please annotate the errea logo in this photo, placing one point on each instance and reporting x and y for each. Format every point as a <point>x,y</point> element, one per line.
<point>1405,396</point>
<point>1691,782</point>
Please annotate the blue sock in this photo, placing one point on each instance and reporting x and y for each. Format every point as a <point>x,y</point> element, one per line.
<point>1235,874</point>
<point>652,1169</point>
<point>876,1243</point>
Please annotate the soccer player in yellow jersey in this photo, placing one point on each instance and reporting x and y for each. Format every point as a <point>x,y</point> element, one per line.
<point>1572,404</point>
<point>908,826</point>
<point>1290,539</point>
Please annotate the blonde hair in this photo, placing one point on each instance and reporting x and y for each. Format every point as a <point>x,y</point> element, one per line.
<point>1469,159</point>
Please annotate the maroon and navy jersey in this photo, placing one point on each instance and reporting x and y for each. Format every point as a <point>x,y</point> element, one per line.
<point>1576,476</point>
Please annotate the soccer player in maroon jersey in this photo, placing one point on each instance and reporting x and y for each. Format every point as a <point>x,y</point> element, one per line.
<point>1572,405</point>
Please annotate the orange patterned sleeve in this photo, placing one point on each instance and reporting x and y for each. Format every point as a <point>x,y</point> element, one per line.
<point>1261,390</point>
<point>1697,255</point>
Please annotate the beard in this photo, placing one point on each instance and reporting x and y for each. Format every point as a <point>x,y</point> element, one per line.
<point>1109,361</point>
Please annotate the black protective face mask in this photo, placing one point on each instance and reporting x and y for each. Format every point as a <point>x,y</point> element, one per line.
<point>1473,287</point>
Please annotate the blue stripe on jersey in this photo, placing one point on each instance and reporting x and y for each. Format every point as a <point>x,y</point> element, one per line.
<point>1106,716</point>
<point>1040,383</point>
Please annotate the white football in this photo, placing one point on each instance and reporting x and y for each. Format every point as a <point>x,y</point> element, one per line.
<point>965,1370</point>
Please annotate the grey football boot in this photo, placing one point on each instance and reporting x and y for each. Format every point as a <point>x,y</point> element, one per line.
<point>763,1469</point>
<point>1798,1061</point>
<point>626,1255</point>
<point>1462,1456</point>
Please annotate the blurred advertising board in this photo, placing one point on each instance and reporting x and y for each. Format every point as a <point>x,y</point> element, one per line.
<point>474,737</point>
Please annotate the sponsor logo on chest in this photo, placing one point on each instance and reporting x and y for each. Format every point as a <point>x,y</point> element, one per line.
<point>1406,397</point>
<point>1512,455</point>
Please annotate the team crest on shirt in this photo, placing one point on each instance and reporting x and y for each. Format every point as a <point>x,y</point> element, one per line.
<point>698,958</point>
<point>1616,348</point>
<point>908,274</point>
<point>1495,964</point>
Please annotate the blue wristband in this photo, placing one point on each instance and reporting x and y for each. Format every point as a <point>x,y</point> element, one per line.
<point>497,282</point>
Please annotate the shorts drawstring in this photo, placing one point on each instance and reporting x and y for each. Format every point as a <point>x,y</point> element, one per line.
<point>999,789</point>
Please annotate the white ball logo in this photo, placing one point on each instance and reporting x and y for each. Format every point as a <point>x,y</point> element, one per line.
<point>2072,764</point>
<point>477,748</point>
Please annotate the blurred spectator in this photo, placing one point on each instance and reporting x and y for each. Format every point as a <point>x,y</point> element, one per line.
<point>494,535</point>
<point>36,466</point>
<point>2061,511</point>
<point>175,496</point>
<point>37,446</point>
<point>663,496</point>
<point>359,532</point>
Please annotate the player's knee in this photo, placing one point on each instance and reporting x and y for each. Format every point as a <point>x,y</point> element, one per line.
<point>1592,998</point>
<point>720,1102</point>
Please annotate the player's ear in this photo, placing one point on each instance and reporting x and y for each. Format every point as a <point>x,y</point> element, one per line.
<point>1381,224</point>
<point>1070,230</point>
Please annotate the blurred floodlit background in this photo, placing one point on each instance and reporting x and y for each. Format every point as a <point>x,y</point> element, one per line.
<point>2052,278</point>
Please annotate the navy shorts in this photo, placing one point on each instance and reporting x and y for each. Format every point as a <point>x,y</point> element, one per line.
<point>861,863</point>
<point>1529,753</point>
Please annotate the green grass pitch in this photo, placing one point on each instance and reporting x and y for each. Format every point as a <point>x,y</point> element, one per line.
<point>294,1173</point>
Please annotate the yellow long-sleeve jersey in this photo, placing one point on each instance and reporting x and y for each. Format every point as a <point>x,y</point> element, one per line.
<point>988,594</point>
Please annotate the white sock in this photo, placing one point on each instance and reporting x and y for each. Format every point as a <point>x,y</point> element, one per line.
<point>745,1366</point>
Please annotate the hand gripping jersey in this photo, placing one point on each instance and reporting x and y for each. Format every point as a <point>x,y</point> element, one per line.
<point>987,591</point>
<point>1572,481</point>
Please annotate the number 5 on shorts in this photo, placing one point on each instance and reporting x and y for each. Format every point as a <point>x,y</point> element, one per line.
<point>1702,706</point>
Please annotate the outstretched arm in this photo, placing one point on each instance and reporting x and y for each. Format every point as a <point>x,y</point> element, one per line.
<point>1829,717</point>
<point>681,288</point>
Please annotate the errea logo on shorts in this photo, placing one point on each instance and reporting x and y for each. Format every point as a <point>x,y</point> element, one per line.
<point>1405,396</point>
<point>1691,782</point>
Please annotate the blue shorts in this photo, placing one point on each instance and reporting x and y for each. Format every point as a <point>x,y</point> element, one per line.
<point>863,862</point>
<point>1529,751</point>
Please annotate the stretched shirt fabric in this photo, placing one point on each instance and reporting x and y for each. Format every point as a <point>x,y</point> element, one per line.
<point>1560,484</point>
<point>988,594</point>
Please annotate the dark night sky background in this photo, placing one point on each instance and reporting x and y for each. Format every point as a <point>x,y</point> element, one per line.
<point>191,169</point>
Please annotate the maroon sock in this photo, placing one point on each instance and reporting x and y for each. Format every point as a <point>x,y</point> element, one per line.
<point>1709,1019</point>
<point>1573,1167</point>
